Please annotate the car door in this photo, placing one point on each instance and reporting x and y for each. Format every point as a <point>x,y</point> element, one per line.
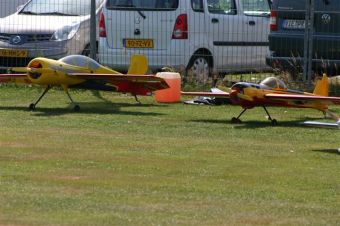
<point>224,34</point>
<point>255,18</point>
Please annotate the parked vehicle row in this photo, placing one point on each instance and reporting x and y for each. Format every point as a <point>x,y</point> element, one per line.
<point>198,35</point>
<point>202,37</point>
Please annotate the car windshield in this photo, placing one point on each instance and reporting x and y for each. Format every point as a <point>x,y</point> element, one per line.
<point>142,4</point>
<point>273,83</point>
<point>59,7</point>
<point>81,61</point>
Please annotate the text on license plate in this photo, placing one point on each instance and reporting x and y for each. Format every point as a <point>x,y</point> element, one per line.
<point>138,43</point>
<point>294,24</point>
<point>13,53</point>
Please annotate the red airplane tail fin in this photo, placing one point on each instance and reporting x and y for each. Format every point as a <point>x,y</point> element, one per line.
<point>322,86</point>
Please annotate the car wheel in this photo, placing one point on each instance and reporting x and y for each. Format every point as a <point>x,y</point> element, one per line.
<point>200,69</point>
<point>87,51</point>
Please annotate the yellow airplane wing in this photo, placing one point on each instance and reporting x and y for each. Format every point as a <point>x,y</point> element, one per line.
<point>308,98</point>
<point>14,78</point>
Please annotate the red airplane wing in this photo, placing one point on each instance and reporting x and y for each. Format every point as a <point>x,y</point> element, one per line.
<point>207,94</point>
<point>14,78</point>
<point>297,97</point>
<point>136,84</point>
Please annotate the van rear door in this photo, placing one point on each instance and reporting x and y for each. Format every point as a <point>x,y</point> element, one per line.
<point>291,22</point>
<point>327,29</point>
<point>140,24</point>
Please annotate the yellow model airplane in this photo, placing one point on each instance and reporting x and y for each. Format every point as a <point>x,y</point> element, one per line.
<point>77,71</point>
<point>273,92</point>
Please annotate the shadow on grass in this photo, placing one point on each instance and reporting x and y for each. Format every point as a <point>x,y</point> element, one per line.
<point>90,108</point>
<point>329,151</point>
<point>255,124</point>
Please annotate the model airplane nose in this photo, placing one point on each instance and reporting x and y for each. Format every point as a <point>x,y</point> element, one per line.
<point>33,66</point>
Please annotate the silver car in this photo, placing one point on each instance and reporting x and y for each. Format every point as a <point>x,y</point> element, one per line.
<point>46,28</point>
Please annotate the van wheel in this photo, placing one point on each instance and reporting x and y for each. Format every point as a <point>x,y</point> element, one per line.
<point>199,69</point>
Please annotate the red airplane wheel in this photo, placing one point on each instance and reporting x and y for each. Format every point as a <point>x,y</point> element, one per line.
<point>274,122</point>
<point>235,120</point>
<point>31,107</point>
<point>76,108</point>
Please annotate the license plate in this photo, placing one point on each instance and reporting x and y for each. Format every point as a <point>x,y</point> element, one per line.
<point>138,43</point>
<point>20,53</point>
<point>294,24</point>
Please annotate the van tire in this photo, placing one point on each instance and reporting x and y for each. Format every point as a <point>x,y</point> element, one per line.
<point>199,68</point>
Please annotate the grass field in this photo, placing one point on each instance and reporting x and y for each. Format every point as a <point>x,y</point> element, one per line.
<point>120,163</point>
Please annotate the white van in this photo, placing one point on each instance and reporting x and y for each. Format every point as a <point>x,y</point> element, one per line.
<point>203,36</point>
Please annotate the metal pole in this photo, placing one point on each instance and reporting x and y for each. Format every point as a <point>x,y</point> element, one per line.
<point>93,31</point>
<point>310,44</point>
<point>306,41</point>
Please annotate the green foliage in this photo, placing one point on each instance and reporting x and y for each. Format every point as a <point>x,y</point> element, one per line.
<point>120,163</point>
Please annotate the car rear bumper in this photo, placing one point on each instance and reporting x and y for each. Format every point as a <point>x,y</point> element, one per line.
<point>119,58</point>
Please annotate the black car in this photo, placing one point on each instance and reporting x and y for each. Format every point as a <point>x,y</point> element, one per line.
<point>287,36</point>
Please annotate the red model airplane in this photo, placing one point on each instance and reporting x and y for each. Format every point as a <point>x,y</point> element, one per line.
<point>274,92</point>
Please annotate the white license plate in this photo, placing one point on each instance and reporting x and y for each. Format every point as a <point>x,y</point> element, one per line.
<point>294,24</point>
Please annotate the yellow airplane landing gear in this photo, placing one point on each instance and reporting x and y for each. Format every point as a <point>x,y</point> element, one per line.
<point>237,120</point>
<point>32,106</point>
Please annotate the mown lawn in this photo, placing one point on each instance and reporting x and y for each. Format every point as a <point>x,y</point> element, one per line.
<point>120,163</point>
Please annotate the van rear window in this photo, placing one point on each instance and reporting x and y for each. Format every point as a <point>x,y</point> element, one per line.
<point>320,5</point>
<point>150,5</point>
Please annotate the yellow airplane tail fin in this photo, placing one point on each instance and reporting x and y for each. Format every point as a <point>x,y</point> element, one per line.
<point>322,86</point>
<point>138,65</point>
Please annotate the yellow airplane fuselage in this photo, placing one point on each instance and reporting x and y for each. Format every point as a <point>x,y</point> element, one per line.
<point>43,71</point>
<point>252,97</point>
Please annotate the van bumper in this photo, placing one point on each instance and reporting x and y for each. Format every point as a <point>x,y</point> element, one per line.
<point>119,58</point>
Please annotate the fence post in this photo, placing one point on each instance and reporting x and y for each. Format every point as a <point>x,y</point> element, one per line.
<point>308,43</point>
<point>93,31</point>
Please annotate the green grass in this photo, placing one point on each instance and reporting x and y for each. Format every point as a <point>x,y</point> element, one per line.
<point>120,163</point>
